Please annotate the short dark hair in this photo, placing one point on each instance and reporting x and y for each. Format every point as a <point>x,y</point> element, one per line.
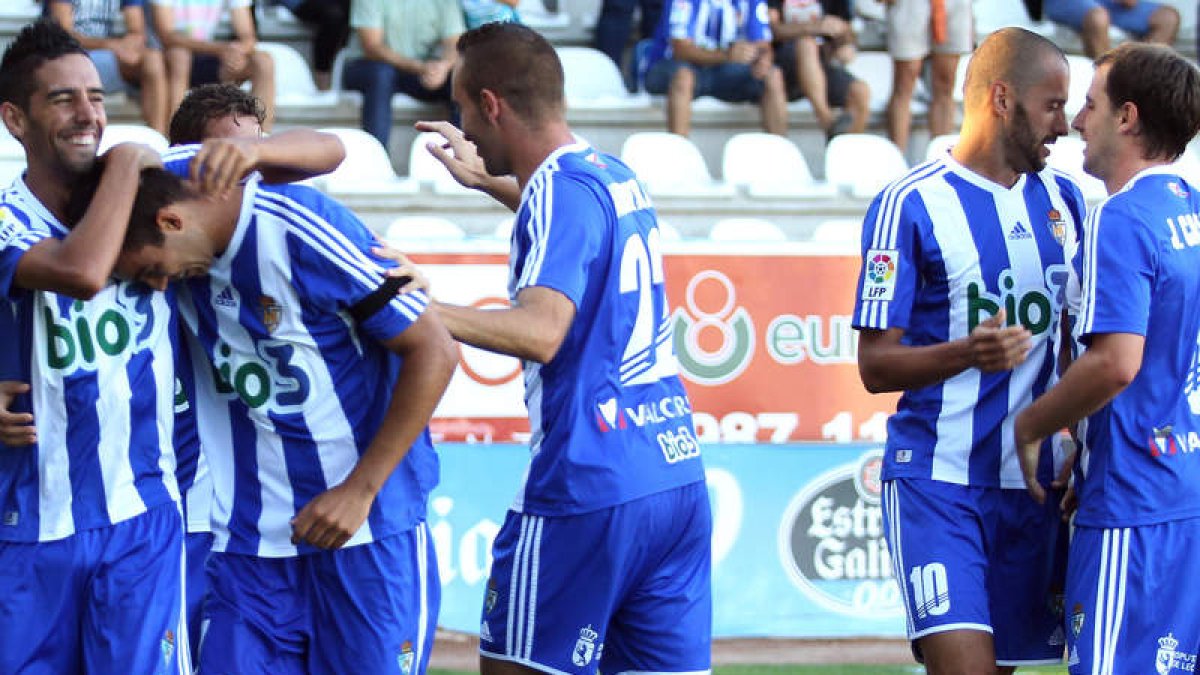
<point>1014,55</point>
<point>515,62</point>
<point>38,42</point>
<point>1164,86</point>
<point>207,103</point>
<point>156,188</point>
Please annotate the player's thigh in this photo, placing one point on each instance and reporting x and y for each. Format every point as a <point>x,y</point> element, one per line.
<point>730,82</point>
<point>1026,579</point>
<point>937,543</point>
<point>255,619</point>
<point>1070,13</point>
<point>41,600</point>
<point>663,621</point>
<point>374,606</point>
<point>1136,19</point>
<point>1133,606</point>
<point>135,621</point>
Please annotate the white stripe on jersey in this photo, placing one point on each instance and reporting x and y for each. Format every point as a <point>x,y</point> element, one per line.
<point>541,208</point>
<point>1091,230</point>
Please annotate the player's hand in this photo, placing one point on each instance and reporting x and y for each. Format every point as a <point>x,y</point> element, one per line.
<point>143,156</point>
<point>221,163</point>
<point>761,67</point>
<point>404,268</point>
<point>742,52</point>
<point>996,347</point>
<point>128,49</point>
<point>457,154</point>
<point>234,57</point>
<point>16,429</point>
<point>333,516</point>
<point>1069,504</point>
<point>434,73</point>
<point>1029,452</point>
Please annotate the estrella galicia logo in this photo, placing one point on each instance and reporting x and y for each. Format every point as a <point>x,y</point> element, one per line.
<point>831,541</point>
<point>713,366</point>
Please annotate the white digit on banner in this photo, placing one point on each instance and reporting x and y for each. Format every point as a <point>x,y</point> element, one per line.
<point>781,425</point>
<point>707,428</point>
<point>874,429</point>
<point>642,272</point>
<point>931,591</point>
<point>739,427</point>
<point>840,429</point>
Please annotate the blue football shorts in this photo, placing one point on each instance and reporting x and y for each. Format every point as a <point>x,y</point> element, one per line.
<point>1133,599</point>
<point>1134,20</point>
<point>979,558</point>
<point>621,589</point>
<point>370,608</point>
<point>198,545</point>
<point>107,600</point>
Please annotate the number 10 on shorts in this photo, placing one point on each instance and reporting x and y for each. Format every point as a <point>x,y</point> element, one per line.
<point>931,595</point>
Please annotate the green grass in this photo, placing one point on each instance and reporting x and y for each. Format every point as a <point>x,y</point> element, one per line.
<point>817,670</point>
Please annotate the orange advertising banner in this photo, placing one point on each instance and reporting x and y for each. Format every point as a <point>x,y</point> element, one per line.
<point>764,342</point>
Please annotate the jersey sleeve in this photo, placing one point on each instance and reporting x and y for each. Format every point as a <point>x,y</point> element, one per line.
<point>679,24</point>
<point>335,269</point>
<point>1119,259</point>
<point>17,235</point>
<point>891,262</point>
<point>560,236</point>
<point>758,23</point>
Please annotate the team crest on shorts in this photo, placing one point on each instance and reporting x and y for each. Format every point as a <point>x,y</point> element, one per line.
<point>1164,660</point>
<point>272,313</point>
<point>168,646</point>
<point>489,601</point>
<point>1077,618</point>
<point>585,647</point>
<point>405,658</point>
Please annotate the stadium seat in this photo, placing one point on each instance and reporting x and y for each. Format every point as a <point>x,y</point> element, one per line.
<point>746,229</point>
<point>992,15</point>
<point>939,146</point>
<point>366,169</point>
<point>20,11</point>
<point>768,165</point>
<point>842,233</point>
<point>504,228</point>
<point>667,231</point>
<point>405,230</point>
<point>592,80</point>
<point>1066,155</point>
<point>132,133</point>
<point>671,165</point>
<point>875,68</point>
<point>863,164</point>
<point>424,168</point>
<point>1081,70</point>
<point>535,15</point>
<point>294,78</point>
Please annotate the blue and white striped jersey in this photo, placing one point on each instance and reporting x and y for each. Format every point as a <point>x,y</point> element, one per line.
<point>1140,462</point>
<point>290,389</point>
<point>610,419</point>
<point>710,24</point>
<point>191,468</point>
<point>101,395</point>
<point>943,250</point>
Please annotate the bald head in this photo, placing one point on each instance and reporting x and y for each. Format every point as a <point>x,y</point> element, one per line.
<point>1012,55</point>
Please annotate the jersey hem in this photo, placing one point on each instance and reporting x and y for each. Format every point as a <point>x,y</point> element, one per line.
<point>1161,520</point>
<point>98,526</point>
<point>540,509</point>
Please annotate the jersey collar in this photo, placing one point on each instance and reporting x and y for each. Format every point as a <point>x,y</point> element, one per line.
<point>551,160</point>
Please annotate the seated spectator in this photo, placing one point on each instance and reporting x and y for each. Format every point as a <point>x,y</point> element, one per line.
<point>194,56</point>
<point>806,38</point>
<point>126,62</point>
<point>479,12</point>
<point>1148,21</point>
<point>400,47</point>
<point>330,23</point>
<point>719,48</point>
<point>616,21</point>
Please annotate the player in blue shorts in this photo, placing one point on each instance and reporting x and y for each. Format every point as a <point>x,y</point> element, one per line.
<point>1145,19</point>
<point>603,561</point>
<point>321,561</point>
<point>91,540</point>
<point>964,274</point>
<point>1133,601</point>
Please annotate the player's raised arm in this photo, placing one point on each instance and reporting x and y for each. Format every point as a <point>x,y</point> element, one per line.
<point>295,154</point>
<point>459,156</point>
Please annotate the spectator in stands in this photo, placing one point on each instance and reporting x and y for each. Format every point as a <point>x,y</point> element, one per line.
<point>719,48</point>
<point>330,23</point>
<point>806,37</point>
<point>126,62</point>
<point>1149,21</point>
<point>616,21</point>
<point>479,12</point>
<point>188,29</point>
<point>401,47</point>
<point>941,30</point>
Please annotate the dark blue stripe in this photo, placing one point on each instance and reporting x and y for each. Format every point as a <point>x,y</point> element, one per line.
<point>145,445</point>
<point>20,496</point>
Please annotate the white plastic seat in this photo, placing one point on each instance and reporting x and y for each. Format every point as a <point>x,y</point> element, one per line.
<point>746,229</point>
<point>132,133</point>
<point>535,15</point>
<point>671,165</point>
<point>405,230</point>
<point>1081,71</point>
<point>843,232</point>
<point>1066,155</point>
<point>667,231</point>
<point>424,168</point>
<point>366,169</point>
<point>939,146</point>
<point>992,15</point>
<point>592,80</point>
<point>768,165</point>
<point>863,164</point>
<point>294,82</point>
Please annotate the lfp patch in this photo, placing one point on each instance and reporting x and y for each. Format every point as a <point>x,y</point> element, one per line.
<point>879,274</point>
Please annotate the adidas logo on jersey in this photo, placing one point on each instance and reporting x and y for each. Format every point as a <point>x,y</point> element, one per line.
<point>1019,231</point>
<point>225,298</point>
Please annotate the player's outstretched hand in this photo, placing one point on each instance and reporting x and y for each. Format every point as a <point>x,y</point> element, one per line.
<point>333,516</point>
<point>405,268</point>
<point>996,347</point>
<point>221,163</point>
<point>16,429</point>
<point>457,154</point>
<point>1029,452</point>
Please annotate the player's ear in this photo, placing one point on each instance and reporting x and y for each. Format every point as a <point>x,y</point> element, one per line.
<point>14,119</point>
<point>168,219</point>
<point>489,104</point>
<point>1001,98</point>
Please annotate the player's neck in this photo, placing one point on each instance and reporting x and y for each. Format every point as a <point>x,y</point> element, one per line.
<point>217,217</point>
<point>1125,167</point>
<point>535,146</point>
<point>983,154</point>
<point>52,188</point>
